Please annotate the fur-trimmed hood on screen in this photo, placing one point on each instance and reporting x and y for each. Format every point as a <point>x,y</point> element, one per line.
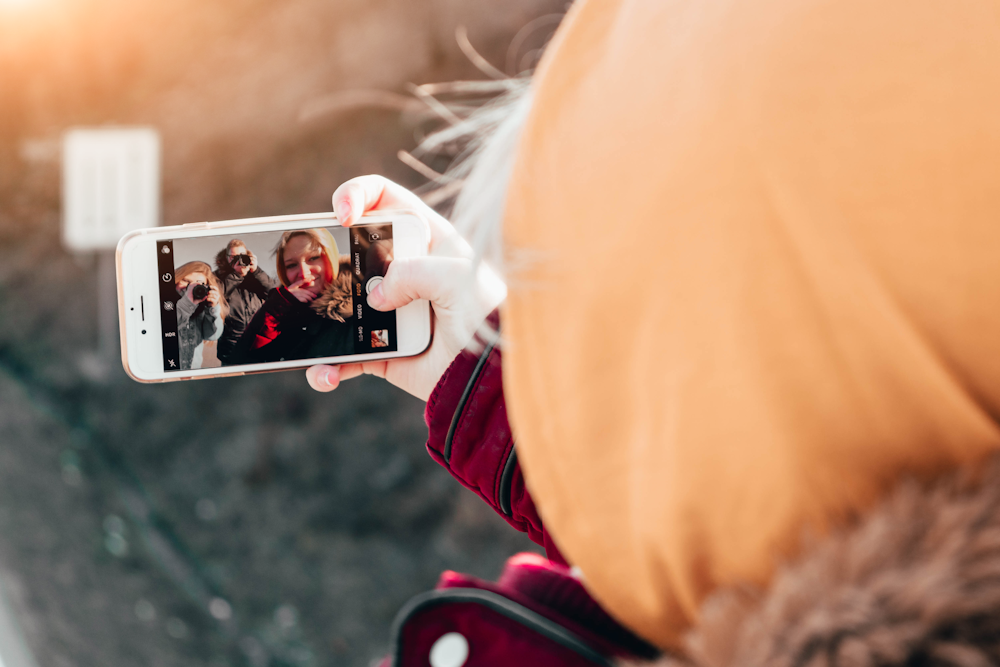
<point>336,302</point>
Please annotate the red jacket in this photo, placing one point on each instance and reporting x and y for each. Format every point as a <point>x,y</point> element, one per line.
<point>469,435</point>
<point>538,613</point>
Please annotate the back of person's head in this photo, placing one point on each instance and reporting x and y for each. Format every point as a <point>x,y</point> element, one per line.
<point>814,317</point>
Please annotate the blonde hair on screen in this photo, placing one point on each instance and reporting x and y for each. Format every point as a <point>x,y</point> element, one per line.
<point>191,268</point>
<point>319,238</point>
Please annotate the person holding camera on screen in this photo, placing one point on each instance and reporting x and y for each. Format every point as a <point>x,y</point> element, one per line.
<point>201,311</point>
<point>245,287</point>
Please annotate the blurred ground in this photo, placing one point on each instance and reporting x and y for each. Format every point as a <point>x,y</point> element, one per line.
<point>243,521</point>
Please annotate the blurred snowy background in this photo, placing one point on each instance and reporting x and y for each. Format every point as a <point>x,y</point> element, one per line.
<point>243,521</point>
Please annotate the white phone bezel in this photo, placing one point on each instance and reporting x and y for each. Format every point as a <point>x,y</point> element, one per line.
<point>139,296</point>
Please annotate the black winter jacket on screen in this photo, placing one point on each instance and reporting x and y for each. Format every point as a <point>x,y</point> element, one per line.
<point>245,297</point>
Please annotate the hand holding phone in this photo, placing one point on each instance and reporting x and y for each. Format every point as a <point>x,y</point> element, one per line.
<point>462,293</point>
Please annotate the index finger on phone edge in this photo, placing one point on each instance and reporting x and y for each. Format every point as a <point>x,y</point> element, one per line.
<point>369,193</point>
<point>373,192</point>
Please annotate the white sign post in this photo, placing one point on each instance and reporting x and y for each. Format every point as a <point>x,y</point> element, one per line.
<point>111,186</point>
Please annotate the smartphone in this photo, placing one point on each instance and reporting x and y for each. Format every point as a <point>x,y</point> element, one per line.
<point>220,299</point>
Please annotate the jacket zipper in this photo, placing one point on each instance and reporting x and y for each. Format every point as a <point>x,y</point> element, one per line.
<point>457,417</point>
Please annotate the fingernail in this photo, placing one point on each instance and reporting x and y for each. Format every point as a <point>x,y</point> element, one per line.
<point>344,211</point>
<point>376,297</point>
<point>324,378</point>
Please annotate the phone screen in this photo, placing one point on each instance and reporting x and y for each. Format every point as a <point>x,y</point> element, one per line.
<point>261,297</point>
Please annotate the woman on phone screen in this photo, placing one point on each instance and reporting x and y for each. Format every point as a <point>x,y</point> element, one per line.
<point>201,311</point>
<point>307,316</point>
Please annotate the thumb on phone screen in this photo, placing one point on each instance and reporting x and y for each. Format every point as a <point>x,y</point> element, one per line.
<point>440,280</point>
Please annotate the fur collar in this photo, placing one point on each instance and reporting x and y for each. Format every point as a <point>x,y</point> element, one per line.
<point>336,302</point>
<point>222,266</point>
<point>916,581</point>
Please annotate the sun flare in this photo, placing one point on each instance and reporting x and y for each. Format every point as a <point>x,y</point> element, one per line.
<point>17,4</point>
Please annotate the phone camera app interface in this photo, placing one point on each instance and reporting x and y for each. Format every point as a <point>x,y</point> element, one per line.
<point>168,318</point>
<point>273,296</point>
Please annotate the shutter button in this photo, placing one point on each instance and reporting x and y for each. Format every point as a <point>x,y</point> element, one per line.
<point>372,283</point>
<point>450,650</point>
